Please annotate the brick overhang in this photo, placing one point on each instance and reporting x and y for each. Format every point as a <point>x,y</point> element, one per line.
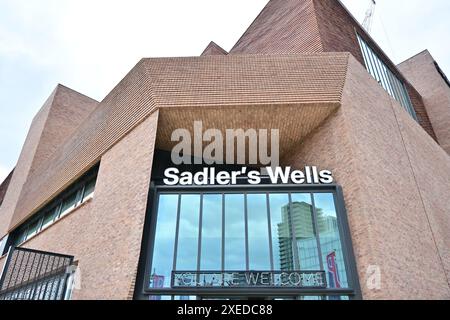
<point>293,93</point>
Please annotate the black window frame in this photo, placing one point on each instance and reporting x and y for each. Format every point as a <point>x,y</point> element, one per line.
<point>385,76</point>
<point>20,234</point>
<point>143,280</point>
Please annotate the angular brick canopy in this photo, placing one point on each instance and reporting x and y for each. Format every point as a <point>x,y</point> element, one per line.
<point>56,121</point>
<point>299,26</point>
<point>308,86</point>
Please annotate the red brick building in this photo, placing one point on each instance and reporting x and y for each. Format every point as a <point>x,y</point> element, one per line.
<point>89,184</point>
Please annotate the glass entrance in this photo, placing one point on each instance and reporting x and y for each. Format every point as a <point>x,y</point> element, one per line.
<point>270,231</point>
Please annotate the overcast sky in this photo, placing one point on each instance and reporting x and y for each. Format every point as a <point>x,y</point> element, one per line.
<point>89,45</point>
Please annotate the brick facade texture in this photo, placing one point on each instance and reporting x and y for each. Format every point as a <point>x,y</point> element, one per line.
<point>331,113</point>
<point>4,186</point>
<point>56,121</point>
<point>394,178</point>
<point>105,234</point>
<point>299,26</point>
<point>423,74</point>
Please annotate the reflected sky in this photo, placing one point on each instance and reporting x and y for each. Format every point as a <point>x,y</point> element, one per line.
<point>211,253</point>
<point>165,237</point>
<point>234,232</point>
<point>258,232</point>
<point>188,233</point>
<point>281,222</point>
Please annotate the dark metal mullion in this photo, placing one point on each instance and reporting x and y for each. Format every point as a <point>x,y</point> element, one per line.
<point>399,90</point>
<point>38,271</point>
<point>16,279</point>
<point>269,222</point>
<point>406,98</point>
<point>370,67</point>
<point>223,233</point>
<point>386,71</point>
<point>45,271</point>
<point>53,277</point>
<point>383,67</point>
<point>293,235</point>
<point>175,249</point>
<point>410,104</point>
<point>46,267</point>
<point>380,65</point>
<point>199,248</point>
<point>316,231</point>
<point>82,190</point>
<point>13,268</point>
<point>32,264</point>
<point>247,258</point>
<point>402,96</point>
<point>25,267</point>
<point>363,52</point>
<point>372,56</point>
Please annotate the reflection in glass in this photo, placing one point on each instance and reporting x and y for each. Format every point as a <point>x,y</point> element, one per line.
<point>211,253</point>
<point>283,258</point>
<point>302,219</point>
<point>159,298</point>
<point>68,204</point>
<point>234,232</point>
<point>32,229</point>
<point>162,261</point>
<point>258,232</point>
<point>188,233</point>
<point>330,242</point>
<point>49,217</point>
<point>89,189</point>
<point>185,298</point>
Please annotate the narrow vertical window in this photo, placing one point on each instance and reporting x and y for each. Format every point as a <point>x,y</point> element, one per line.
<point>385,77</point>
<point>164,243</point>
<point>211,248</point>
<point>187,251</point>
<point>330,240</point>
<point>305,233</point>
<point>235,254</point>
<point>258,232</point>
<point>282,245</point>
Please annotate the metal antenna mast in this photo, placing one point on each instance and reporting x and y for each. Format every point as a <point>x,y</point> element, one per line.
<point>367,24</point>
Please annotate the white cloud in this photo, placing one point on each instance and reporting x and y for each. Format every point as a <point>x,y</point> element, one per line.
<point>89,45</point>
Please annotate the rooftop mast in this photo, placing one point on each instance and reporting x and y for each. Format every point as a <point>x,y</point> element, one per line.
<point>367,24</point>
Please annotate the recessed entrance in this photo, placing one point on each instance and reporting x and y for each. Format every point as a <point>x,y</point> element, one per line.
<point>211,243</point>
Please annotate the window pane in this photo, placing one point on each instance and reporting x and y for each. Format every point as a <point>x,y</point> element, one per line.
<point>49,217</point>
<point>89,189</point>
<point>163,249</point>
<point>32,229</point>
<point>21,236</point>
<point>235,259</point>
<point>185,298</point>
<point>330,241</point>
<point>258,232</point>
<point>211,254</point>
<point>187,251</point>
<point>283,258</point>
<point>159,298</point>
<point>302,219</point>
<point>68,204</point>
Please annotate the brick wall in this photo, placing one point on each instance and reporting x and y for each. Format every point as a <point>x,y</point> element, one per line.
<point>299,26</point>
<point>422,73</point>
<point>105,234</point>
<point>4,186</point>
<point>382,159</point>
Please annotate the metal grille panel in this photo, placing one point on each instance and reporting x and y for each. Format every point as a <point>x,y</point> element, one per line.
<point>34,275</point>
